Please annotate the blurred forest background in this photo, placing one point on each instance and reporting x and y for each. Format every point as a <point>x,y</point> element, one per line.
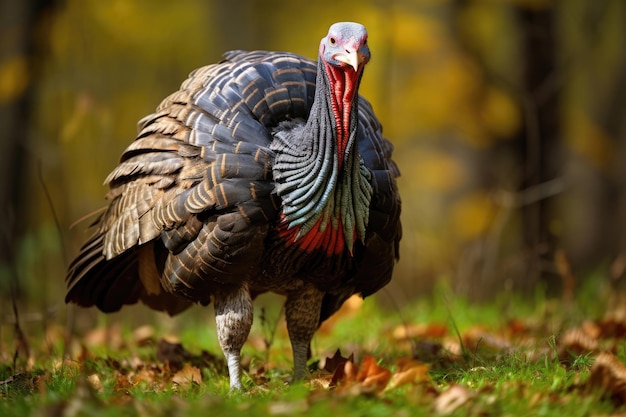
<point>508,117</point>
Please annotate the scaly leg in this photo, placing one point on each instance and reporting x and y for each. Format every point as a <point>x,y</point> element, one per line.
<point>233,315</point>
<point>302,312</point>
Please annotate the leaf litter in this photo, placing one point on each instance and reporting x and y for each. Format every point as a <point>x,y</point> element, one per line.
<point>593,350</point>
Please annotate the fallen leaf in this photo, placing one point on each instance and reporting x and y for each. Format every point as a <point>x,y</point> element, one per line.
<point>613,325</point>
<point>409,372</point>
<point>258,342</point>
<point>592,329</point>
<point>288,407</point>
<point>122,382</point>
<point>517,327</point>
<point>83,398</point>
<point>370,374</point>
<point>188,375</point>
<point>608,375</point>
<point>332,364</point>
<point>348,309</point>
<point>67,364</point>
<point>453,398</point>
<point>144,374</point>
<point>575,342</point>
<point>173,354</point>
<point>95,382</point>
<point>424,330</point>
<point>478,337</point>
<point>345,374</point>
<point>428,351</point>
<point>143,335</point>
<point>110,336</point>
<point>319,381</point>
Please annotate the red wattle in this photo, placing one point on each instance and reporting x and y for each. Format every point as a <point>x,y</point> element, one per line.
<point>343,81</point>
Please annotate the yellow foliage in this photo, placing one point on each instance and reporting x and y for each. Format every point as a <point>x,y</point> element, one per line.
<point>416,34</point>
<point>436,170</point>
<point>472,214</point>
<point>500,114</point>
<point>534,4</point>
<point>436,96</point>
<point>589,140</point>
<point>72,126</point>
<point>13,78</point>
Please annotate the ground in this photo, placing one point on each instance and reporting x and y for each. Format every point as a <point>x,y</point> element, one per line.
<point>442,356</point>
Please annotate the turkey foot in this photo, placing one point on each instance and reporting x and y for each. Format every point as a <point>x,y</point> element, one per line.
<point>302,312</point>
<point>233,316</point>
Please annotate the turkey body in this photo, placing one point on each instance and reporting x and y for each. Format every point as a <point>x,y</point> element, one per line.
<point>223,196</point>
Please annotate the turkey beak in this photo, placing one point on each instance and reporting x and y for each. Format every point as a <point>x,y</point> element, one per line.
<point>352,58</point>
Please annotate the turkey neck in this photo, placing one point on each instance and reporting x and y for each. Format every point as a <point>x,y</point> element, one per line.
<point>320,176</point>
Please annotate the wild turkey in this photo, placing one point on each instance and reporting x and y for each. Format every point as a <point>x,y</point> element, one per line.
<point>264,172</point>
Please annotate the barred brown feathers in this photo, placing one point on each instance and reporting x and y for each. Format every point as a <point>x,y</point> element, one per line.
<point>219,199</point>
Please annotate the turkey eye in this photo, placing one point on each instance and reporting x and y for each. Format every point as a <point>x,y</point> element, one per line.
<point>332,41</point>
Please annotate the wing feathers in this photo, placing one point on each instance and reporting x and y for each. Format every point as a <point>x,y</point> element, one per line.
<point>193,198</point>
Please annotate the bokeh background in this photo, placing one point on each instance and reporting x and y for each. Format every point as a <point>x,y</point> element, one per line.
<point>508,118</point>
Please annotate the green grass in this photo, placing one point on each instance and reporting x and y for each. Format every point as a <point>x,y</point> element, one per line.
<point>525,379</point>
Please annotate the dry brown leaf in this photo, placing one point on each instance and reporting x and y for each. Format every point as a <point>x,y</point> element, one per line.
<point>288,407</point>
<point>432,352</point>
<point>370,374</point>
<point>146,375</point>
<point>332,364</point>
<point>592,329</point>
<point>368,377</point>
<point>517,327</point>
<point>258,342</point>
<point>110,336</point>
<point>613,325</point>
<point>30,381</point>
<point>349,308</point>
<point>409,371</point>
<point>453,398</point>
<point>60,364</point>
<point>575,342</point>
<point>143,335</point>
<point>478,337</point>
<point>122,382</point>
<point>95,382</point>
<point>188,375</point>
<point>422,330</point>
<point>608,375</point>
<point>320,382</point>
<point>173,354</point>
<point>345,374</point>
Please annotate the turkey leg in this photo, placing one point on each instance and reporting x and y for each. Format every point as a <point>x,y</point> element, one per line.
<point>302,312</point>
<point>233,316</point>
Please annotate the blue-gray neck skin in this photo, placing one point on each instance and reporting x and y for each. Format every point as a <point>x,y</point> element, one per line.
<point>318,186</point>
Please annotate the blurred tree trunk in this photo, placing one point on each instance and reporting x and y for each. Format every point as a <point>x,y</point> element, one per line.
<point>538,140</point>
<point>535,82</point>
<point>596,231</point>
<point>23,30</point>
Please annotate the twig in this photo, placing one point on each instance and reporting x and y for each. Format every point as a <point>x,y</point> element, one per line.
<point>270,330</point>
<point>510,201</point>
<point>70,310</point>
<point>21,343</point>
<point>405,322</point>
<point>476,352</point>
<point>31,317</point>
<point>55,217</point>
<point>530,195</point>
